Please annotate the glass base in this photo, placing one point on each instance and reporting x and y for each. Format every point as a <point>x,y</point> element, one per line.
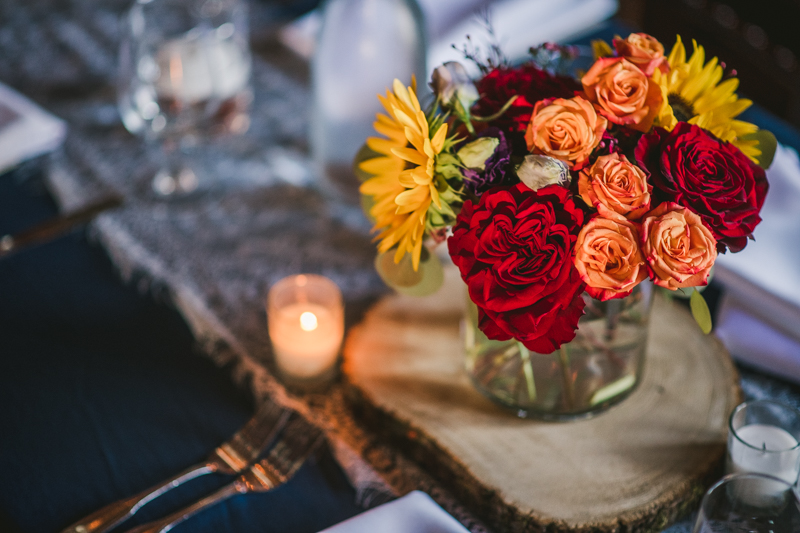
<point>601,367</point>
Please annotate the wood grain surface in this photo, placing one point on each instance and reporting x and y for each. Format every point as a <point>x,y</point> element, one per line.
<point>637,467</point>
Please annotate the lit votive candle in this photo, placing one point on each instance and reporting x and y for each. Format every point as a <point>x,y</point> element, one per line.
<point>306,327</point>
<point>764,438</point>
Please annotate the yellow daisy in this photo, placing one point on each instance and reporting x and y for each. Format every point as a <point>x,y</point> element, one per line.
<point>403,184</point>
<point>693,92</point>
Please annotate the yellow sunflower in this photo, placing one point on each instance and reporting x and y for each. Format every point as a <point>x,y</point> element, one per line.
<point>693,92</point>
<point>403,184</point>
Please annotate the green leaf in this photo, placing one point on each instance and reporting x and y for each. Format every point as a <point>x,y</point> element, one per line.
<point>767,143</point>
<point>364,153</point>
<point>402,277</point>
<point>367,203</point>
<point>700,311</point>
<point>600,48</point>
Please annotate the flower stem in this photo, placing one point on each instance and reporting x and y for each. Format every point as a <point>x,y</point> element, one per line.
<point>563,356</point>
<point>497,115</point>
<point>527,368</point>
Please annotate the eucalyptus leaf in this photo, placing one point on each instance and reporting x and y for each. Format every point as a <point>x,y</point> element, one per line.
<point>700,311</point>
<point>767,143</point>
<point>404,279</point>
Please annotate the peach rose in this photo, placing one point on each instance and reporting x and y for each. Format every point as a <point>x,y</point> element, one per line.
<point>644,51</point>
<point>567,129</point>
<point>622,93</point>
<point>680,250</point>
<point>613,183</point>
<point>608,257</point>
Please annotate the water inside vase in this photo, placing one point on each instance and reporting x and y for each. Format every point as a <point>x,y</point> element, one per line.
<point>600,367</point>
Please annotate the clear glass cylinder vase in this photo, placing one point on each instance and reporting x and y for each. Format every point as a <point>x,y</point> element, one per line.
<point>597,369</point>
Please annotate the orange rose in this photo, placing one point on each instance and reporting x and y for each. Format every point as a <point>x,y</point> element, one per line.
<point>567,129</point>
<point>644,51</point>
<point>608,258</point>
<point>680,250</point>
<point>622,93</point>
<point>613,183</point>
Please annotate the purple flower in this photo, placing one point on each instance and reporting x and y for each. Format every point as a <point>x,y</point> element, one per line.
<point>495,167</point>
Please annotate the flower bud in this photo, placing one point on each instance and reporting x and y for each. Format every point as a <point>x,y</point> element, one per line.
<point>475,154</point>
<point>451,83</point>
<point>538,171</point>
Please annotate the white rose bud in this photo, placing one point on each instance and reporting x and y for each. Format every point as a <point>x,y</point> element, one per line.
<point>450,82</point>
<point>538,171</point>
<point>475,154</point>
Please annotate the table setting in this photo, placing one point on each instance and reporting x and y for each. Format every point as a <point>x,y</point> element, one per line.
<point>376,266</point>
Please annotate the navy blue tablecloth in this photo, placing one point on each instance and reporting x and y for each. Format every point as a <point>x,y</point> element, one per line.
<point>102,396</point>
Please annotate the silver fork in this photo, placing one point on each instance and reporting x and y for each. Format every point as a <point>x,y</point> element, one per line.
<point>229,458</point>
<point>298,442</point>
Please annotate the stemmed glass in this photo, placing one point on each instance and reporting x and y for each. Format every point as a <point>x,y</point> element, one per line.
<point>184,77</point>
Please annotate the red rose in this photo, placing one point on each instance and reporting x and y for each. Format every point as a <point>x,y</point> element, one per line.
<point>531,85</point>
<point>691,167</point>
<point>514,251</point>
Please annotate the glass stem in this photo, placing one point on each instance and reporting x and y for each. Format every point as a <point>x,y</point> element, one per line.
<point>527,368</point>
<point>563,357</point>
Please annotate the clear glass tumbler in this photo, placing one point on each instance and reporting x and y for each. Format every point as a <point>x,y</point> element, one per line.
<point>749,503</point>
<point>764,437</point>
<point>184,76</point>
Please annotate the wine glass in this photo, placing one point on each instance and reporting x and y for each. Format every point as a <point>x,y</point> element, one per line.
<point>749,503</point>
<point>184,78</point>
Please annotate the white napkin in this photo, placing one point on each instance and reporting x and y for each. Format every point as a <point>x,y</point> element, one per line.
<point>26,130</point>
<point>759,316</point>
<point>757,343</point>
<point>415,512</point>
<point>519,24</point>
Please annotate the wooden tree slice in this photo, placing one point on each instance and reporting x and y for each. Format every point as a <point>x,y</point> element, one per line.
<point>637,467</point>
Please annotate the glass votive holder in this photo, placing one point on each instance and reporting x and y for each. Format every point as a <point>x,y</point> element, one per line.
<point>764,437</point>
<point>306,326</point>
<point>751,503</point>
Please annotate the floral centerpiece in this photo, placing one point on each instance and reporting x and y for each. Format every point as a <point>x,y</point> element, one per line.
<point>558,195</point>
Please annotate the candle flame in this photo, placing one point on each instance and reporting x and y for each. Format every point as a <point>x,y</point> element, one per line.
<point>308,321</point>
